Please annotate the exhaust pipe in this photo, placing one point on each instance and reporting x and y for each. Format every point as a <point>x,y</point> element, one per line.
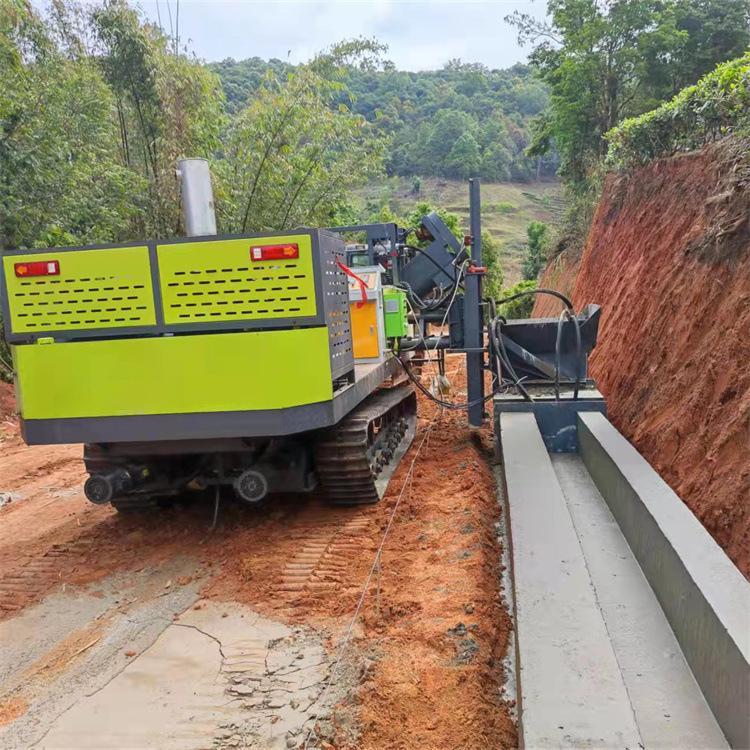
<point>198,214</point>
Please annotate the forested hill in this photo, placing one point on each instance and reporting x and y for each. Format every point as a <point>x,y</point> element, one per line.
<point>458,121</point>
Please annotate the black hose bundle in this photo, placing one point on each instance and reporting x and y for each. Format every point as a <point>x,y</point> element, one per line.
<point>568,315</point>
<point>498,352</point>
<point>499,355</point>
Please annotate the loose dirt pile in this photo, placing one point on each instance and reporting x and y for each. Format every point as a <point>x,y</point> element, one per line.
<point>668,258</point>
<point>426,657</point>
<point>7,403</point>
<point>433,640</point>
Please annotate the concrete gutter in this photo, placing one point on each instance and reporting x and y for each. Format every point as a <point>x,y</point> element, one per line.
<point>703,595</point>
<point>571,691</point>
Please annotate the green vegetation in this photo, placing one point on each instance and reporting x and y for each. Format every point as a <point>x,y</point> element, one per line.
<point>521,307</point>
<point>464,120</point>
<point>290,159</point>
<point>607,61</point>
<point>493,280</point>
<point>96,106</point>
<point>717,105</point>
<point>536,250</point>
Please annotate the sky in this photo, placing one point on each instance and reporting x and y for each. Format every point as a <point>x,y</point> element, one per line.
<point>420,34</point>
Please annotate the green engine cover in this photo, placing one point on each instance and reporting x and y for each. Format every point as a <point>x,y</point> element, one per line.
<point>394,305</point>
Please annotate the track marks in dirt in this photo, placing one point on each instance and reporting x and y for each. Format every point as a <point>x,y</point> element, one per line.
<point>29,469</point>
<point>37,576</point>
<point>11,709</point>
<point>325,559</point>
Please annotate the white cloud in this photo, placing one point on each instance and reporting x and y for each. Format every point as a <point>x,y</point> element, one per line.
<point>420,35</point>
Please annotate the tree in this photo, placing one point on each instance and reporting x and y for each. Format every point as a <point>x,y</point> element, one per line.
<point>60,180</point>
<point>537,246</point>
<point>290,159</point>
<point>521,307</point>
<point>605,60</point>
<point>715,31</point>
<point>448,128</point>
<point>463,159</point>
<point>168,106</point>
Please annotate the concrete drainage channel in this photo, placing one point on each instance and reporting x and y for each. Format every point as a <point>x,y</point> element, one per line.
<point>633,626</point>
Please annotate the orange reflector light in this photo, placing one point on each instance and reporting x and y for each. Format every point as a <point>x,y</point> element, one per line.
<point>275,252</point>
<point>38,268</point>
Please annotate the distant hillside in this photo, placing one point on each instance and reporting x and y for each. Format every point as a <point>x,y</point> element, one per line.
<point>507,208</point>
<point>458,121</point>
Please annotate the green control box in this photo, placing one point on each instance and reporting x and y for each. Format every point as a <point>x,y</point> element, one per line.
<point>394,304</point>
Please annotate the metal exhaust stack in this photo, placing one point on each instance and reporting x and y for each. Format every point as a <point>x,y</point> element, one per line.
<point>198,212</point>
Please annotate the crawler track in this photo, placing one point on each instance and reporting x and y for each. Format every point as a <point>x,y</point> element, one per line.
<point>356,459</point>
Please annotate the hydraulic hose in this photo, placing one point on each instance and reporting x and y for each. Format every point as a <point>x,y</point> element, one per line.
<point>529,292</point>
<point>558,341</point>
<point>579,348</point>
<point>566,314</point>
<point>446,404</point>
<point>569,312</point>
<point>505,359</point>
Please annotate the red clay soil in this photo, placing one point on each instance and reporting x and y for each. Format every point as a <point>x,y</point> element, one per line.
<point>426,656</point>
<point>560,274</point>
<point>668,258</point>
<point>433,643</point>
<point>7,401</point>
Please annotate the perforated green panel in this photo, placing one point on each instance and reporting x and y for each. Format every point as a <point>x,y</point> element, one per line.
<point>215,280</point>
<point>96,288</point>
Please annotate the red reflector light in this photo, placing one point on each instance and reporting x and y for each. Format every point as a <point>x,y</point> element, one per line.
<point>38,268</point>
<point>275,252</point>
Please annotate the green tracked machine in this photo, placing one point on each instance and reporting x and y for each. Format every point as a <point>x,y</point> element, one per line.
<point>280,362</point>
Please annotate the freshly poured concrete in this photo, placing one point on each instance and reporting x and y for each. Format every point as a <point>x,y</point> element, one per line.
<point>571,689</point>
<point>669,708</point>
<point>703,595</point>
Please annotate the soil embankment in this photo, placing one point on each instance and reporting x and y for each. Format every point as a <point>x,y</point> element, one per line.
<point>668,258</point>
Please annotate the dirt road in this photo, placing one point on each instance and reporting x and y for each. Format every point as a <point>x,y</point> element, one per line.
<point>151,631</point>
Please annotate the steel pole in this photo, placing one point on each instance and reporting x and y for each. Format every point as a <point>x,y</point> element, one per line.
<point>473,328</point>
